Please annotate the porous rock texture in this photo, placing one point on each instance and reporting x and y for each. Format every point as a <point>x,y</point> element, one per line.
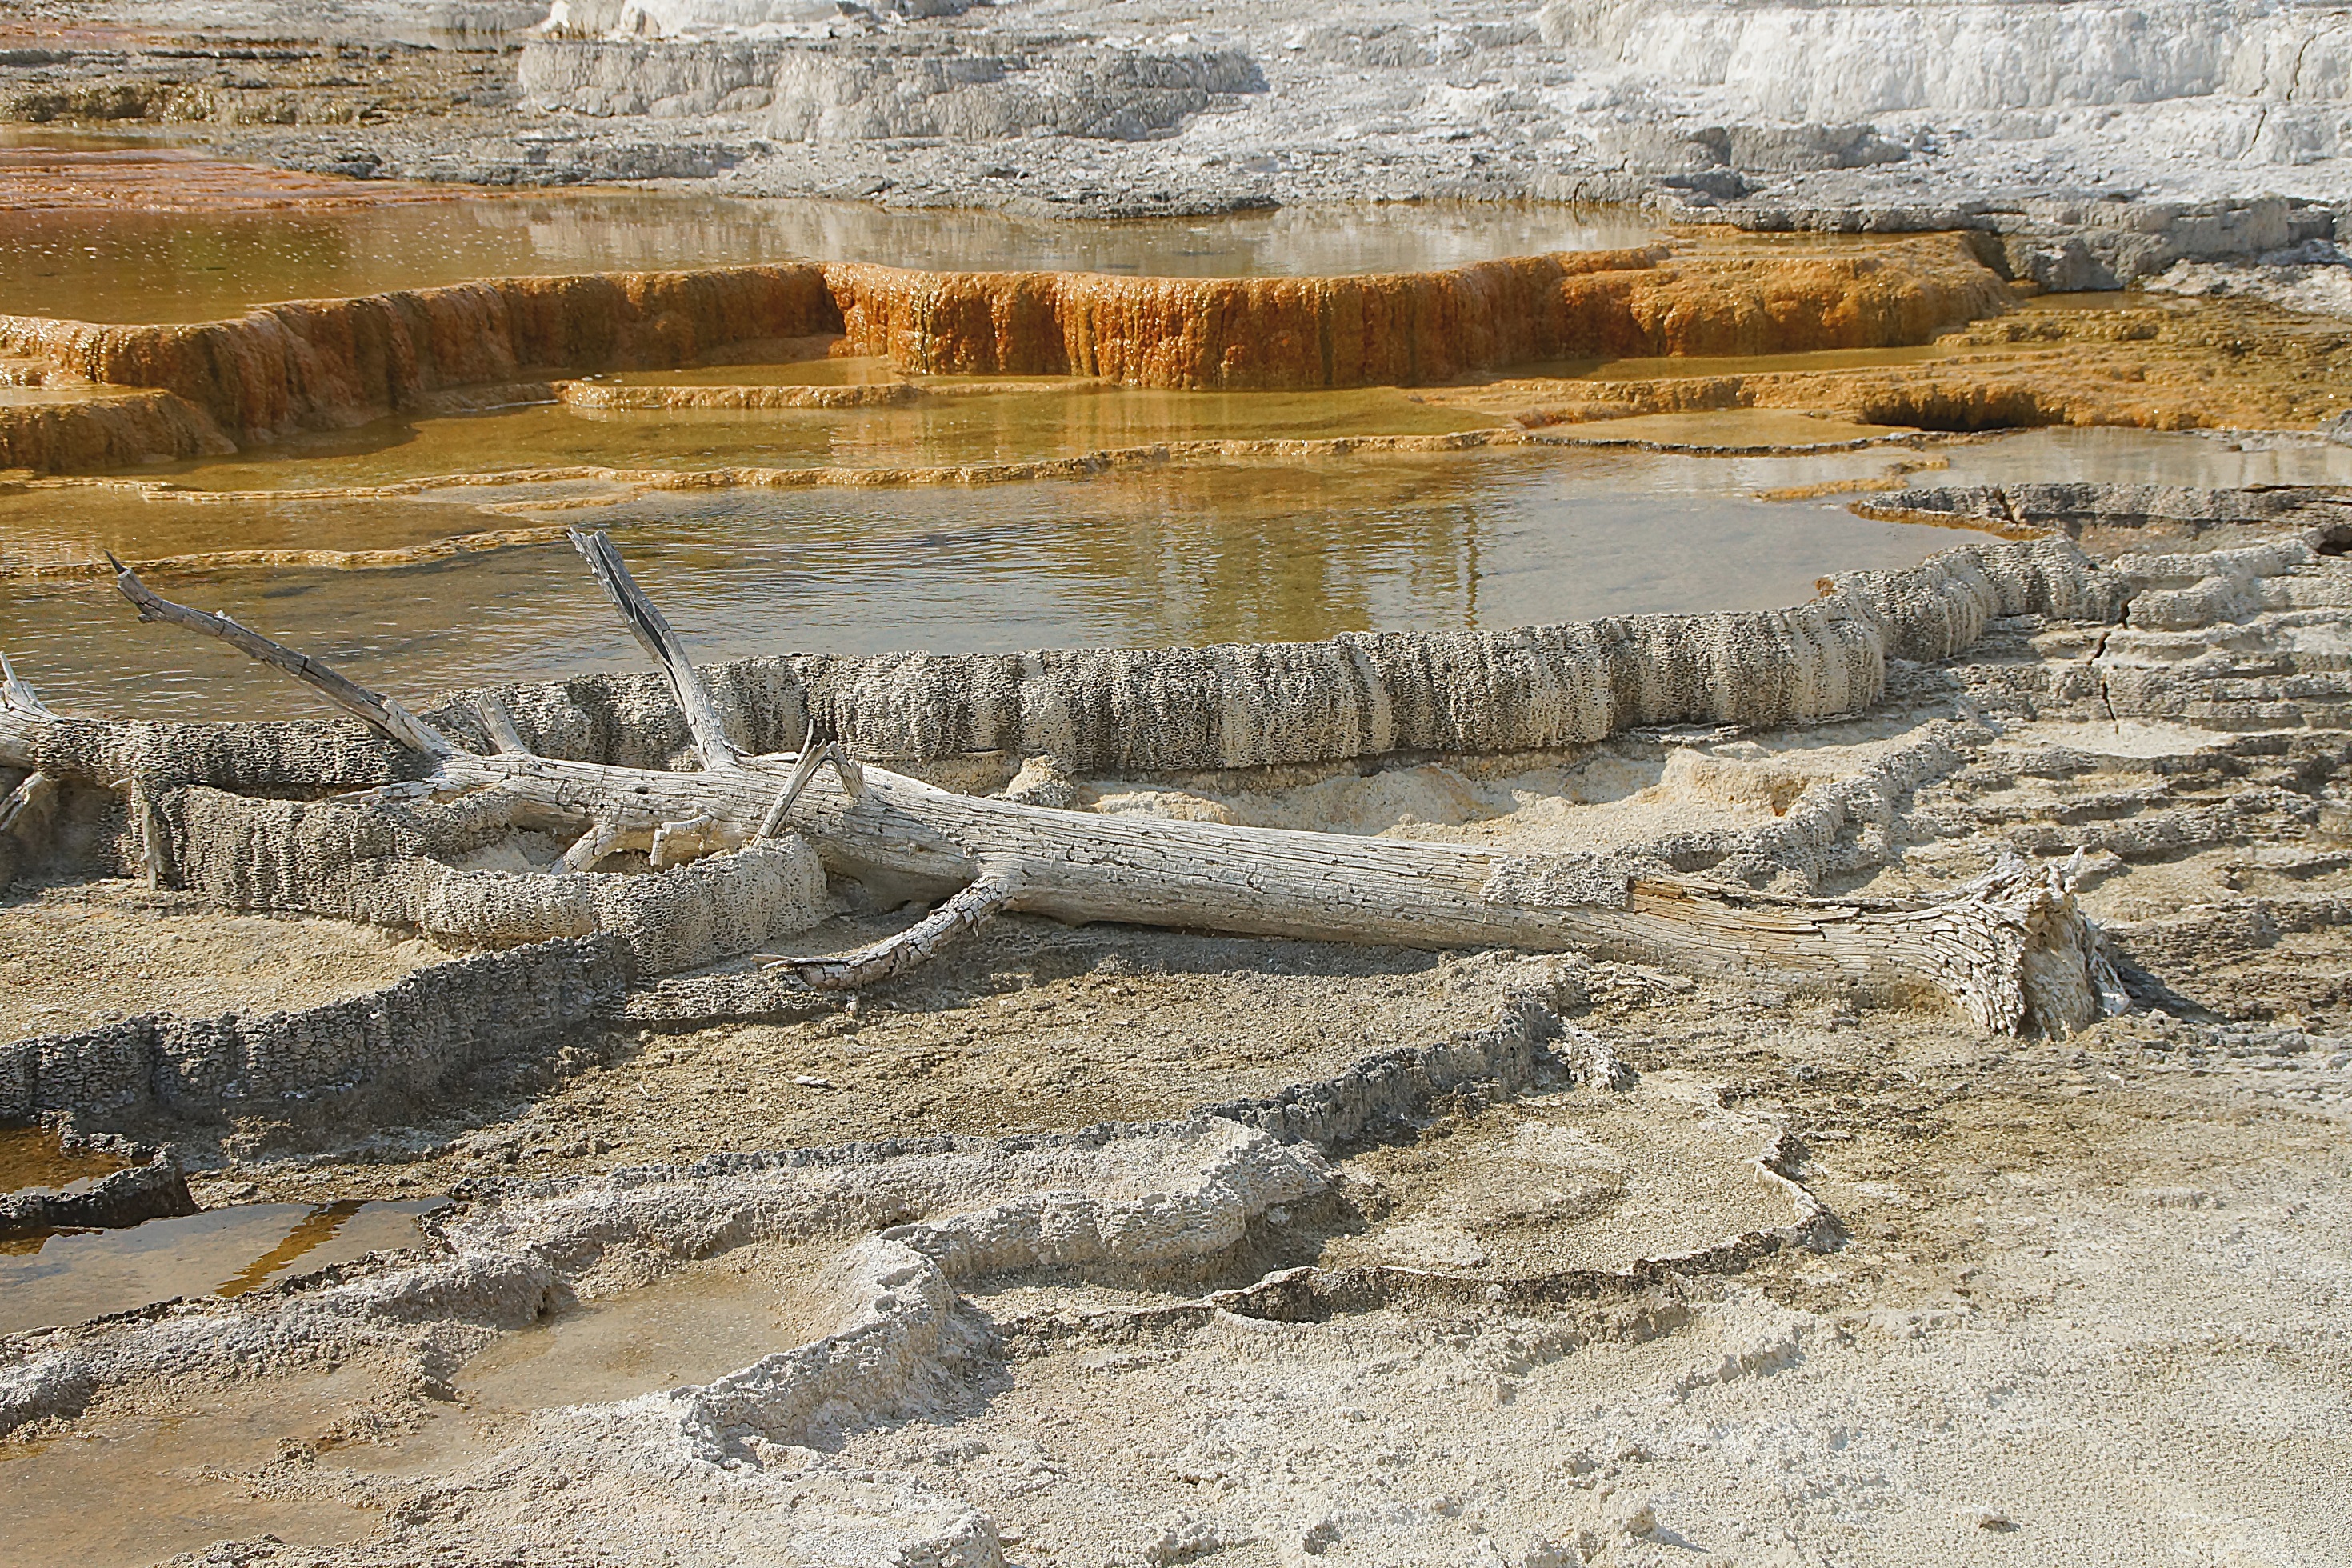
<point>153,1188</point>
<point>1231,706</point>
<point>340,1064</point>
<point>1365,694</point>
<point>912,1223</point>
<point>580,939</point>
<point>893,86</point>
<point>1409,330</point>
<point>393,867</point>
<point>2139,360</point>
<point>327,362</point>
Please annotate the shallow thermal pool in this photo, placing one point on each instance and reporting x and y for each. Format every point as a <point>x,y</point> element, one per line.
<point>67,1277</point>
<point>121,263</point>
<point>961,422</point>
<point>1187,554</point>
<point>34,1159</point>
<point>1163,557</point>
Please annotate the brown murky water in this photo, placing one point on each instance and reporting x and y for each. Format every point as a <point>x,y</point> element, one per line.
<point>68,1277</point>
<point>1750,364</point>
<point>1727,430</point>
<point>128,1487</point>
<point>1191,554</point>
<point>1043,419</point>
<point>32,1159</point>
<point>712,1319</point>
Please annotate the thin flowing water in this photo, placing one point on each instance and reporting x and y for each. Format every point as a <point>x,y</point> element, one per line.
<point>128,1487</point>
<point>212,1465</point>
<point>711,1319</point>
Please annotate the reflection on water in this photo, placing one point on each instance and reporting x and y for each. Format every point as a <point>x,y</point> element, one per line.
<point>73,1276</point>
<point>1746,364</point>
<point>1157,557</point>
<point>127,265</point>
<point>1046,418</point>
<point>34,1159</point>
<point>2214,459</point>
<point>1730,429</point>
<point>1190,553</point>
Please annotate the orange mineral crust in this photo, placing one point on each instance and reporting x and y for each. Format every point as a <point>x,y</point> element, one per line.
<point>1406,329</point>
<point>322,364</point>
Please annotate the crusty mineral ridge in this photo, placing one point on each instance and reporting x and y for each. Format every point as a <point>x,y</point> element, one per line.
<point>1408,329</point>
<point>1177,710</point>
<point>320,364</point>
<point>2144,363</point>
<point>102,433</point>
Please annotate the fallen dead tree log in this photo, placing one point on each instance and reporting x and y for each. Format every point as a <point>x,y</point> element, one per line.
<point>2009,951</point>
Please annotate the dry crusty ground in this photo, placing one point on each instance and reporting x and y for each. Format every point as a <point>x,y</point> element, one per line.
<point>2083,1301</point>
<point>2077,1317</point>
<point>2086,1307</point>
<point>74,957</point>
<point>1041,1029</point>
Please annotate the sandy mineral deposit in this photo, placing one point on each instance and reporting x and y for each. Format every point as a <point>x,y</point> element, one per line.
<point>1856,1078</point>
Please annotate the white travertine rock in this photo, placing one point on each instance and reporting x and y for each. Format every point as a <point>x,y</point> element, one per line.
<point>1863,57</point>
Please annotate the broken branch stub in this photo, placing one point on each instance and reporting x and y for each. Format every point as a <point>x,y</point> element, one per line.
<point>2009,950</point>
<point>16,697</point>
<point>961,915</point>
<point>652,632</point>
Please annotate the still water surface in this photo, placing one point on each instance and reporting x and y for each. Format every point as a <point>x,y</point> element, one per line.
<point>1183,555</point>
<point>1213,554</point>
<point>127,265</point>
<point>67,1277</point>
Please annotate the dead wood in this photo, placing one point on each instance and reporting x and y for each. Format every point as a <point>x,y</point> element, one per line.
<point>2011,950</point>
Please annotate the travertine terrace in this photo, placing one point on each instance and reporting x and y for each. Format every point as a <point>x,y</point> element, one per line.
<point>328,363</point>
<point>1851,1074</point>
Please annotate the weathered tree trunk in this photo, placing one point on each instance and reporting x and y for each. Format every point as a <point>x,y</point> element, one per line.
<point>2009,950</point>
